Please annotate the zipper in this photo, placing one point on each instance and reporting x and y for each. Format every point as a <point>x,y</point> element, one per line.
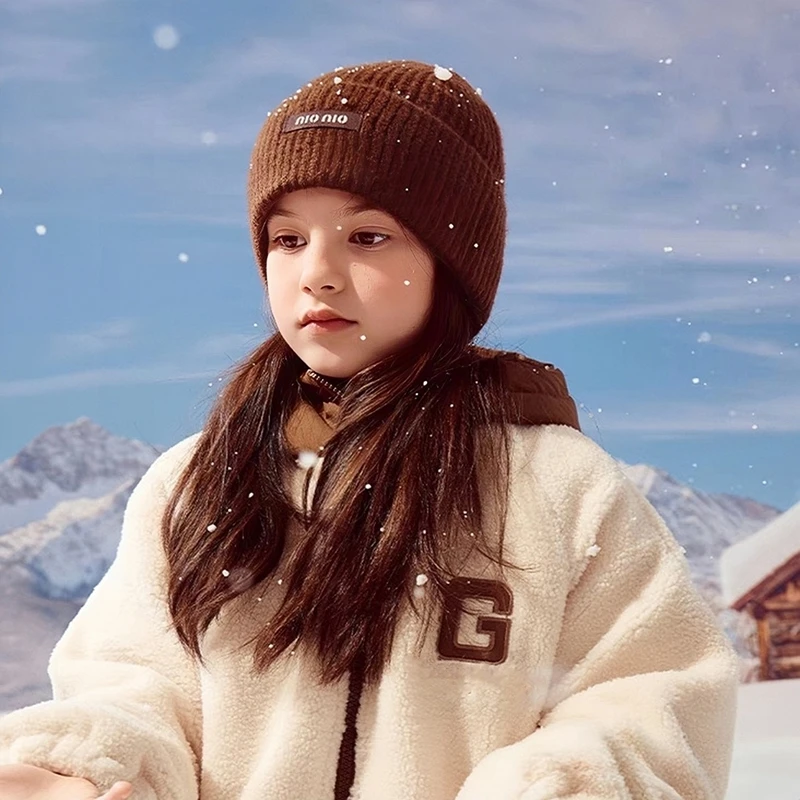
<point>337,393</point>
<point>346,764</point>
<point>346,767</point>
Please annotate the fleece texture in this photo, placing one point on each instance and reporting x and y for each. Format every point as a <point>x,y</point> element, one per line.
<point>617,683</point>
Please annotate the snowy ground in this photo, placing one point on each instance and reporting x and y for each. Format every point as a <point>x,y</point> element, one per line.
<point>766,756</point>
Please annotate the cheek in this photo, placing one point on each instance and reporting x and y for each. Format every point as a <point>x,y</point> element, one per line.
<point>403,295</point>
<point>404,308</point>
<point>278,294</point>
<point>419,295</point>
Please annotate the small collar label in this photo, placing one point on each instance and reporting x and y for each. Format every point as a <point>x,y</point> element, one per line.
<point>348,120</point>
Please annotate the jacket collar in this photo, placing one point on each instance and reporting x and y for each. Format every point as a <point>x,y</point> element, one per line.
<point>539,391</point>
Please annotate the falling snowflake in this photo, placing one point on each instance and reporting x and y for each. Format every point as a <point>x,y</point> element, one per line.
<point>225,573</point>
<point>442,73</point>
<point>704,337</point>
<point>421,579</point>
<point>211,528</point>
<point>166,37</point>
<point>363,338</point>
<point>252,494</point>
<point>668,249</point>
<point>337,80</point>
<point>307,459</point>
<point>593,550</point>
<point>41,230</point>
<point>407,283</point>
<point>183,257</point>
<point>209,137</point>
<point>695,381</point>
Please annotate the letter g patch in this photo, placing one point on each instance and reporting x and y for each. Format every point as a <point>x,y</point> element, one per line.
<point>497,626</point>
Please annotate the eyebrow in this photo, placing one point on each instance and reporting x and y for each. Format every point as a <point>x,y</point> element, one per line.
<point>350,210</point>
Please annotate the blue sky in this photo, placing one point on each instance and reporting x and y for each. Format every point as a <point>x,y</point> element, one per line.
<point>653,186</point>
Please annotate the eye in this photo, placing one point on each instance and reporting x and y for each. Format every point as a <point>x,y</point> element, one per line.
<point>288,241</point>
<point>370,238</point>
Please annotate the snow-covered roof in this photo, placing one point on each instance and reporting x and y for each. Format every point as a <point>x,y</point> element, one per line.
<point>747,563</point>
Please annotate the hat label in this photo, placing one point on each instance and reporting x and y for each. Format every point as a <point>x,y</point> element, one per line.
<point>350,121</point>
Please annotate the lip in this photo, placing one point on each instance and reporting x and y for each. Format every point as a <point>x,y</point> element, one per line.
<point>322,316</point>
<point>327,325</point>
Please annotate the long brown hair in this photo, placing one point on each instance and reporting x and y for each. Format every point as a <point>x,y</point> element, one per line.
<point>420,428</point>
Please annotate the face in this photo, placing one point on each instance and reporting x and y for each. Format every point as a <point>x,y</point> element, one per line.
<point>331,255</point>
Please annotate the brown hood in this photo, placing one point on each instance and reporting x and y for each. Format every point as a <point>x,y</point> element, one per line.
<point>539,391</point>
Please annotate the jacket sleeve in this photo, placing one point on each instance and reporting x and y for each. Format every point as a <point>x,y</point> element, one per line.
<point>642,695</point>
<point>126,699</point>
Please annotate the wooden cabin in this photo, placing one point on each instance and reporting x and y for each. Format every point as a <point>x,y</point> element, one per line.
<point>761,576</point>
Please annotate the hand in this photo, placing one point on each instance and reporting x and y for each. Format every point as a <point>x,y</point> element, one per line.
<point>24,782</point>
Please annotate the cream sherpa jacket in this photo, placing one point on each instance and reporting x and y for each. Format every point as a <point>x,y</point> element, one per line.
<point>596,674</point>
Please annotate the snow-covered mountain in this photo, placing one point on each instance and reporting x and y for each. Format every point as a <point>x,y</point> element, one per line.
<point>75,461</point>
<point>704,524</point>
<point>62,500</point>
<point>61,503</point>
<point>68,551</point>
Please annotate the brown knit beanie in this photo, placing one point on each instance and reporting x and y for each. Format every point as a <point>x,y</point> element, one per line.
<point>414,139</point>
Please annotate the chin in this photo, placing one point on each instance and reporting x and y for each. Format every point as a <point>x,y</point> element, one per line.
<point>331,365</point>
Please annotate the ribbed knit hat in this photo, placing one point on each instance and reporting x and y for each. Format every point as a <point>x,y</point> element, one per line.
<point>414,139</point>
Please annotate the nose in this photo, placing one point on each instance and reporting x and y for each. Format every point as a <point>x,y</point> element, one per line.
<point>322,270</point>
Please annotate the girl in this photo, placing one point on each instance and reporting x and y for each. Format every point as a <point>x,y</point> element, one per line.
<point>390,566</point>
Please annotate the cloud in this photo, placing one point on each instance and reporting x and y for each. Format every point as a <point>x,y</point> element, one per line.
<point>425,13</point>
<point>644,154</point>
<point>698,303</point>
<point>206,359</point>
<point>787,355</point>
<point>676,419</point>
<point>169,218</point>
<point>222,97</point>
<point>92,379</point>
<point>43,58</point>
<point>107,336</point>
<point>715,245</point>
<point>757,394</point>
<point>231,346</point>
<point>35,6</point>
<point>566,286</point>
